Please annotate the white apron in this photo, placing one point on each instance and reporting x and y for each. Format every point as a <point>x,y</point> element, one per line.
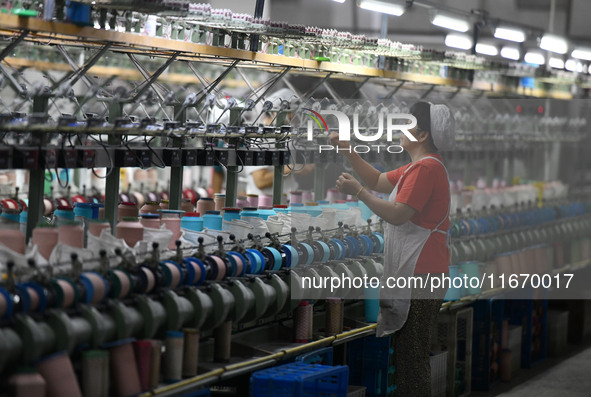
<point>403,245</point>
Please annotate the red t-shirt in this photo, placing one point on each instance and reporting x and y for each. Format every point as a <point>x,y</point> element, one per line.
<point>426,189</point>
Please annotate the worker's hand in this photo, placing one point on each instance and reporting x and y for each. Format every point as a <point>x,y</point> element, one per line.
<point>348,184</point>
<point>334,140</point>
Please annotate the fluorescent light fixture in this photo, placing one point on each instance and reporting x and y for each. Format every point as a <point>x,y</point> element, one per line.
<point>339,1</point>
<point>510,53</point>
<point>461,41</point>
<point>381,6</point>
<point>487,49</point>
<point>534,57</point>
<point>450,22</point>
<point>556,63</point>
<point>582,53</point>
<point>579,67</point>
<point>511,34</point>
<point>554,43</point>
<point>570,65</point>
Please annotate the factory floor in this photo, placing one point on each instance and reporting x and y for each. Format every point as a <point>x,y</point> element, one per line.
<point>568,375</point>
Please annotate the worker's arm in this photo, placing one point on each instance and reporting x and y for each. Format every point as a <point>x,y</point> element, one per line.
<point>393,213</point>
<point>263,178</point>
<point>371,177</point>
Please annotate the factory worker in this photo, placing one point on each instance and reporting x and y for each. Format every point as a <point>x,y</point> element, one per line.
<point>417,242</point>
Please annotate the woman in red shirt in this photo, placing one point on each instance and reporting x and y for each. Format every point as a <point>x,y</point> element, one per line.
<point>417,239</point>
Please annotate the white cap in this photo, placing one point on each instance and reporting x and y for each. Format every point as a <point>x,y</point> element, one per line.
<point>443,127</point>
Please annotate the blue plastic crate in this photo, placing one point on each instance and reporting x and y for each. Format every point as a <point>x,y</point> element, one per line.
<point>371,364</point>
<point>487,331</point>
<point>300,380</point>
<point>532,316</point>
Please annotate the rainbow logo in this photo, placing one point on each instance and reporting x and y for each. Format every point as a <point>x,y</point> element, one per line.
<point>316,116</point>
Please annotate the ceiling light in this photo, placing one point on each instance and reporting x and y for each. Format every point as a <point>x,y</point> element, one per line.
<point>461,41</point>
<point>486,49</point>
<point>571,65</point>
<point>554,43</point>
<point>582,53</point>
<point>339,1</point>
<point>450,22</point>
<point>381,6</point>
<point>510,53</point>
<point>579,67</point>
<point>534,57</point>
<point>556,63</point>
<point>511,34</point>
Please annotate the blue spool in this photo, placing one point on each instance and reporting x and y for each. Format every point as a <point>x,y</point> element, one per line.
<point>291,256</point>
<point>192,274</point>
<point>243,259</point>
<point>339,248</point>
<point>8,300</point>
<point>367,245</point>
<point>25,299</point>
<point>89,287</point>
<point>168,274</point>
<point>256,259</point>
<point>40,293</point>
<point>233,265</point>
<point>274,258</point>
<point>325,251</point>
<point>474,229</point>
<point>354,247</point>
<point>381,243</point>
<point>308,249</point>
